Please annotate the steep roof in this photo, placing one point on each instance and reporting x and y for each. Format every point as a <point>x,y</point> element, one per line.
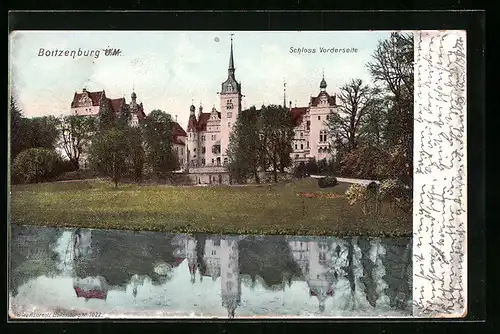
<point>95,97</point>
<point>203,120</point>
<point>297,114</point>
<point>178,130</point>
<point>331,99</point>
<point>116,104</point>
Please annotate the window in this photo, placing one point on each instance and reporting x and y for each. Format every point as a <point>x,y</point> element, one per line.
<point>203,149</point>
<point>177,150</point>
<point>229,104</point>
<point>322,256</point>
<point>194,150</point>
<point>319,118</point>
<point>214,137</point>
<point>216,242</point>
<point>308,126</point>
<point>202,138</point>
<point>327,117</point>
<point>203,162</point>
<point>307,144</point>
<point>228,124</point>
<point>225,161</point>
<point>301,146</point>
<point>229,114</point>
<point>295,146</point>
<point>301,134</point>
<point>214,252</point>
<point>213,161</point>
<point>182,151</point>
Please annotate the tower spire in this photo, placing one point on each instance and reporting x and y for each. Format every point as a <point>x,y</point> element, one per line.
<point>231,59</point>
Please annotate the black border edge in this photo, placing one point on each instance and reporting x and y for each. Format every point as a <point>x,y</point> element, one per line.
<point>471,21</point>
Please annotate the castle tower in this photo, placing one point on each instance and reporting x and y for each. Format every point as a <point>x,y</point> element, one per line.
<point>191,257</point>
<point>230,103</point>
<point>230,277</point>
<point>134,109</point>
<point>192,139</point>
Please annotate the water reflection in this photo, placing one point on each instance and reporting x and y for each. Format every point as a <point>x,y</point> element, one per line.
<point>157,274</point>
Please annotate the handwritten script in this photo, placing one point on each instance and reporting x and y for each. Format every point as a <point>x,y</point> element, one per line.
<point>440,175</point>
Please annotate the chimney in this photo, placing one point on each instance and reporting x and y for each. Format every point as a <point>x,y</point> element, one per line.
<point>290,104</point>
<point>176,118</point>
<point>84,90</point>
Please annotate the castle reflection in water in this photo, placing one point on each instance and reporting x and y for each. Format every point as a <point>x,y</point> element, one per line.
<point>356,273</point>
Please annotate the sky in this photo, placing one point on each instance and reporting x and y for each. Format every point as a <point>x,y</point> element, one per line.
<point>170,70</point>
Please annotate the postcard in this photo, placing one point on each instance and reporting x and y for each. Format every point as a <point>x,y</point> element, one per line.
<point>238,174</point>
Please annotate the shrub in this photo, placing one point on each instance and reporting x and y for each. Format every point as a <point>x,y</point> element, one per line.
<point>35,165</point>
<point>327,182</point>
<point>355,193</point>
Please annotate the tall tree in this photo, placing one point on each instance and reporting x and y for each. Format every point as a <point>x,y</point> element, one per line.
<point>106,116</point>
<point>277,130</point>
<point>356,100</point>
<point>157,131</point>
<point>392,66</point>
<point>244,146</point>
<point>76,134</point>
<point>138,157</point>
<point>19,129</point>
<point>109,152</point>
<point>43,132</point>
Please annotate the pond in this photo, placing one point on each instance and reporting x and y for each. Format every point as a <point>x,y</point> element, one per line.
<point>116,274</point>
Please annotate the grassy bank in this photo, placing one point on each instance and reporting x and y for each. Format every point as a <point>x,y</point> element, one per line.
<point>252,209</point>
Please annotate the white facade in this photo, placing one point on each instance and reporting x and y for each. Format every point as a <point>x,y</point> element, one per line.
<point>311,134</point>
<point>209,133</point>
<point>314,259</point>
<point>230,275</point>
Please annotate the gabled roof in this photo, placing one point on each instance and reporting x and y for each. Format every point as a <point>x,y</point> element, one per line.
<point>116,104</point>
<point>95,97</point>
<point>331,99</point>
<point>178,130</point>
<point>297,114</point>
<point>202,121</point>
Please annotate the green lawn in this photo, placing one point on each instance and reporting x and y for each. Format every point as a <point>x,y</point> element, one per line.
<point>252,209</point>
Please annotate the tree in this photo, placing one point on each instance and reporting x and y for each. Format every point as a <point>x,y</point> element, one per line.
<point>19,129</point>
<point>244,146</point>
<point>138,155</point>
<point>35,165</point>
<point>277,136</point>
<point>312,167</point>
<point>106,116</point>
<point>76,134</point>
<point>157,132</point>
<point>300,170</point>
<point>392,66</point>
<point>109,152</point>
<point>356,102</point>
<point>44,132</point>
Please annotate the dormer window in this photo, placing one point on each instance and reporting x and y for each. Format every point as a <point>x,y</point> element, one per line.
<point>229,88</point>
<point>229,114</point>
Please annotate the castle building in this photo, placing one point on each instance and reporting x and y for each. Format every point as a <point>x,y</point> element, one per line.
<point>312,140</point>
<point>202,149</point>
<point>208,132</point>
<point>314,259</point>
<point>90,104</point>
<point>221,257</point>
